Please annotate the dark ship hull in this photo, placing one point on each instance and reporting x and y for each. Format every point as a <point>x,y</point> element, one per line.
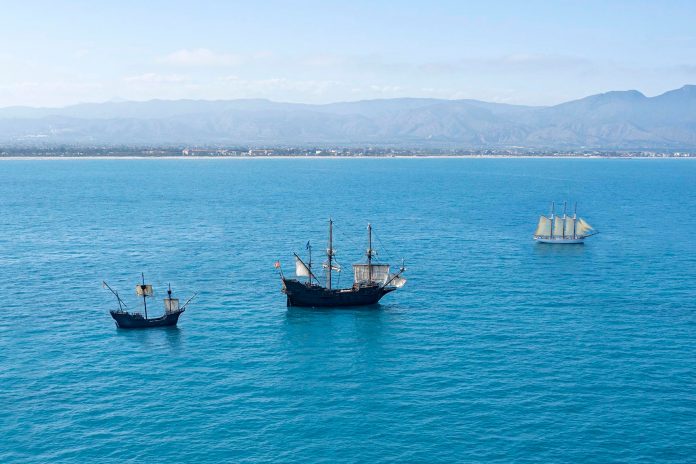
<point>302,294</point>
<point>126,320</point>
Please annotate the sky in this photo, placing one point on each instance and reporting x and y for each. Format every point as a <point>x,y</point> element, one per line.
<point>56,53</point>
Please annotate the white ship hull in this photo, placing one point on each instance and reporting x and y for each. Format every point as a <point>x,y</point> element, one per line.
<point>566,241</point>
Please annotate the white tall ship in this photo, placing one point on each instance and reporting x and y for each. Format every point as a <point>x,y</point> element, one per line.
<point>563,229</point>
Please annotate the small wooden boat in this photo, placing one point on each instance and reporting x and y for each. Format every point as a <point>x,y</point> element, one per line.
<point>135,320</point>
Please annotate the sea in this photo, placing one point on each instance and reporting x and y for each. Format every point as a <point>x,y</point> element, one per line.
<point>497,349</point>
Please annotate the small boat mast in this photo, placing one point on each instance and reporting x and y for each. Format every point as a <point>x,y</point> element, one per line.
<point>144,290</point>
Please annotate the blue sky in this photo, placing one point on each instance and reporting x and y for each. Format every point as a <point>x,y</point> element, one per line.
<point>527,52</point>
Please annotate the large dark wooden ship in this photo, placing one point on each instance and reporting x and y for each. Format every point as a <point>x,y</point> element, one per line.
<point>134,320</point>
<point>371,281</point>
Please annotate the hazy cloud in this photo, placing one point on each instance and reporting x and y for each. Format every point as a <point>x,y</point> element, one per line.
<point>81,53</point>
<point>269,87</point>
<point>520,62</point>
<point>154,78</point>
<point>48,93</point>
<point>200,57</point>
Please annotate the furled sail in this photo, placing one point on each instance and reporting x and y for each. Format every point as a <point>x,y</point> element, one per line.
<point>171,305</point>
<point>334,267</point>
<point>380,273</point>
<point>301,269</point>
<point>544,227</point>
<point>582,228</point>
<point>144,290</point>
<point>569,227</point>
<point>558,226</point>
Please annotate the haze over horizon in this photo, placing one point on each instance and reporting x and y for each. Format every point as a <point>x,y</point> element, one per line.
<point>531,53</point>
<point>117,100</point>
<point>608,121</point>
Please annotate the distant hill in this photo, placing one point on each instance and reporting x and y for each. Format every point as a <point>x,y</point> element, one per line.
<point>613,120</point>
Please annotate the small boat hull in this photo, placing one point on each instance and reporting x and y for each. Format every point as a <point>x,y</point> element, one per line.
<point>126,320</point>
<point>561,241</point>
<point>306,295</point>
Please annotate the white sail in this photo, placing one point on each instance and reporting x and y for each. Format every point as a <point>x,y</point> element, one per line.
<point>144,290</point>
<point>569,227</point>
<point>171,305</point>
<point>301,270</point>
<point>558,226</point>
<point>397,281</point>
<point>544,227</point>
<point>380,273</point>
<point>582,228</point>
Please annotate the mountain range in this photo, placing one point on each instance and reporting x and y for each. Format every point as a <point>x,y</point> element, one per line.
<point>613,120</point>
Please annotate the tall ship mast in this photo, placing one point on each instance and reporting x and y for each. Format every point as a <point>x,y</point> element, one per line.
<point>563,229</point>
<point>371,281</point>
<point>134,320</point>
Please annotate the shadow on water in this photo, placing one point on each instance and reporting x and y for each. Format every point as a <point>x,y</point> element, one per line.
<point>298,312</point>
<point>364,322</point>
<point>154,337</point>
<point>549,249</point>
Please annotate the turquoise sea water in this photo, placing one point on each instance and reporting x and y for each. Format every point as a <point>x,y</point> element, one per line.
<point>496,350</point>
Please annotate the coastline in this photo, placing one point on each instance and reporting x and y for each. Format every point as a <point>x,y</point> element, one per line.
<point>277,157</point>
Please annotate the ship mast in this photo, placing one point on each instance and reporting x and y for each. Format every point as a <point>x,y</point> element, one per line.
<point>329,254</point>
<point>575,218</point>
<point>144,294</point>
<point>565,203</point>
<point>553,207</point>
<point>369,253</point>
